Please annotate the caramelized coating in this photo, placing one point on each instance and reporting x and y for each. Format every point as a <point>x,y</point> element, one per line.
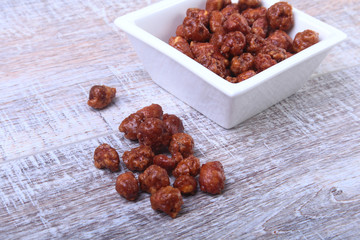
<point>237,22</point>
<point>252,14</point>
<point>182,45</point>
<point>242,63</point>
<point>167,200</point>
<point>207,55</point>
<point>245,75</point>
<point>280,39</point>
<point>254,43</point>
<point>227,2</point>
<point>289,54</point>
<point>152,132</point>
<point>234,43</point>
<point>188,166</point>
<point>101,96</point>
<point>231,79</point>
<point>244,4</point>
<point>263,61</point>
<point>229,10</point>
<point>152,111</point>
<point>221,34</point>
<point>212,177</point>
<point>180,31</point>
<point>153,178</point>
<point>139,158</point>
<point>173,124</point>
<point>195,30</point>
<point>165,162</point>
<point>241,77</point>
<point>217,20</point>
<point>177,156</point>
<point>186,184</point>
<point>275,52</point>
<point>217,39</point>
<point>106,157</point>
<point>200,49</point>
<point>260,27</point>
<point>216,5</point>
<point>217,55</point>
<point>280,16</point>
<point>127,186</point>
<point>130,125</point>
<point>182,143</point>
<point>215,65</point>
<point>202,15</point>
<point>304,40</point>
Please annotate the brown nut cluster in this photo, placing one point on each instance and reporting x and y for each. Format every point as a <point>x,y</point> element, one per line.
<point>188,166</point>
<point>158,135</point>
<point>161,134</point>
<point>212,177</point>
<point>219,36</point>
<point>186,184</point>
<point>154,131</point>
<point>304,40</point>
<point>182,143</point>
<point>106,157</point>
<point>130,125</point>
<point>165,162</point>
<point>168,200</point>
<point>127,186</point>
<point>153,178</point>
<point>101,96</point>
<point>139,158</point>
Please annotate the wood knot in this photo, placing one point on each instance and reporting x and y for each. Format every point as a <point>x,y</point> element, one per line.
<point>335,191</point>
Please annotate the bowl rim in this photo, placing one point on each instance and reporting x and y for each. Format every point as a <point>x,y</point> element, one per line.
<point>128,24</point>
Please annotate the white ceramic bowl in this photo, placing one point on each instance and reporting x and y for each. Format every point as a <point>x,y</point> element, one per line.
<point>228,104</point>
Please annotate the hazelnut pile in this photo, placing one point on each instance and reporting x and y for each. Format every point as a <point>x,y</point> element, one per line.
<point>164,150</point>
<point>238,40</point>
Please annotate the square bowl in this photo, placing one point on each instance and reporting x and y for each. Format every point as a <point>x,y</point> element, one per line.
<point>227,104</point>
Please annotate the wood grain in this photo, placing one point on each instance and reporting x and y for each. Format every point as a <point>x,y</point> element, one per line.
<point>292,171</point>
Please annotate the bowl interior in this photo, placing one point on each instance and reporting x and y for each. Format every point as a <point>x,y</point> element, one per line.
<point>157,23</point>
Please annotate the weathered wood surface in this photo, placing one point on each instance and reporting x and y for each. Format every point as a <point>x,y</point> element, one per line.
<point>292,171</point>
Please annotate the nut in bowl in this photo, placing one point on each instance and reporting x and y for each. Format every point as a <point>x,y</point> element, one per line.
<point>228,104</point>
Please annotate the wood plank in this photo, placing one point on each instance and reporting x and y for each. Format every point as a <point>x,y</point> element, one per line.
<point>343,17</point>
<point>292,170</point>
<point>56,115</point>
<point>287,169</point>
<point>59,58</point>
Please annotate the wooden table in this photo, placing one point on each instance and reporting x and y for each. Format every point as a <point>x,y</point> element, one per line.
<point>293,171</point>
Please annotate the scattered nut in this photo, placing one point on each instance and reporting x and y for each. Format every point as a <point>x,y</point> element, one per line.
<point>129,126</point>
<point>138,159</point>
<point>127,186</point>
<point>212,177</point>
<point>101,96</point>
<point>183,143</point>
<point>173,124</point>
<point>153,178</point>
<point>165,162</point>
<point>168,200</point>
<point>152,132</point>
<point>186,184</point>
<point>106,157</point>
<point>188,166</point>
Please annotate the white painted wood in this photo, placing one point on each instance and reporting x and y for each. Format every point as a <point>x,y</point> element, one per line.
<point>292,171</point>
